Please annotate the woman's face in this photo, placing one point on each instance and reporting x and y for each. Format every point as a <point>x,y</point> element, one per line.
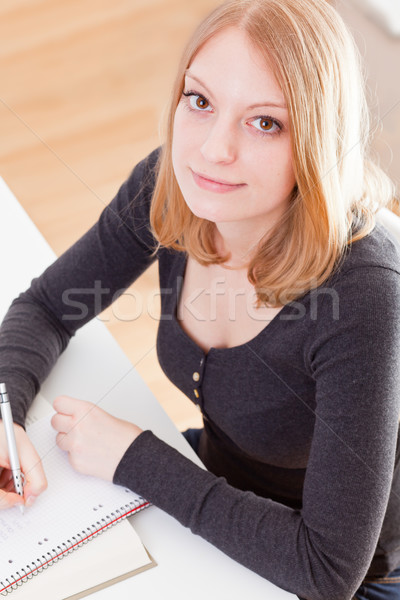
<point>231,144</point>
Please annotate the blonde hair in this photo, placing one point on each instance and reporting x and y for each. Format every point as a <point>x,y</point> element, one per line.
<point>338,190</point>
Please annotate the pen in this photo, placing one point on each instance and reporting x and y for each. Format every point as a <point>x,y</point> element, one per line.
<point>6,415</point>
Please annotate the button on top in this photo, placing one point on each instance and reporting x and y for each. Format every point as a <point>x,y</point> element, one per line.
<point>196,376</point>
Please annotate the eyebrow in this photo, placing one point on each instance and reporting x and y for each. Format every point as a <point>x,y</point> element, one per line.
<point>258,104</point>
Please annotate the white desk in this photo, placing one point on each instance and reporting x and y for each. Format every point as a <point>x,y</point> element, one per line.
<point>94,368</point>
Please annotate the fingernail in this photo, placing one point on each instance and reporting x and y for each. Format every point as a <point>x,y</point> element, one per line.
<point>30,500</point>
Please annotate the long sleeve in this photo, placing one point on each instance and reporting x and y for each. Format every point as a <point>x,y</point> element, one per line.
<point>323,550</point>
<point>76,287</point>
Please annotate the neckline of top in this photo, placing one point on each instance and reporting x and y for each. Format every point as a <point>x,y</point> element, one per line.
<point>213,349</point>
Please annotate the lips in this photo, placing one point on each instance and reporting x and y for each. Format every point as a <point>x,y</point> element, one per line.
<point>215,185</point>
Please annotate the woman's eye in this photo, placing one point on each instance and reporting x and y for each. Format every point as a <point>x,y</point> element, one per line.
<point>197,101</point>
<point>266,125</point>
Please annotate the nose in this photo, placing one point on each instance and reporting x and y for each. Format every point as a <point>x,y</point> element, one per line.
<point>220,145</point>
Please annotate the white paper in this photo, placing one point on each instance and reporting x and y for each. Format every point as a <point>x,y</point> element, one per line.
<point>72,507</point>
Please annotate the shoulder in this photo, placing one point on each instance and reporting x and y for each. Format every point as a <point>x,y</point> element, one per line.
<point>128,213</point>
<point>364,292</point>
<point>357,310</point>
<point>136,192</point>
<point>141,182</point>
<point>377,249</point>
<point>371,266</point>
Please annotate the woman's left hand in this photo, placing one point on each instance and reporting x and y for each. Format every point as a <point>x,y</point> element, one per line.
<point>94,439</point>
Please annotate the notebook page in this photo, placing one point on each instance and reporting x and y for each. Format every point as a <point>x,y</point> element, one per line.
<point>72,507</point>
<point>89,567</point>
<point>39,408</point>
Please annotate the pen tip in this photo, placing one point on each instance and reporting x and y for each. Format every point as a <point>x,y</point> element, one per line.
<point>22,509</point>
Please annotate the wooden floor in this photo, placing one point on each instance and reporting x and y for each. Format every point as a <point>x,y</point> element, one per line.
<point>84,86</point>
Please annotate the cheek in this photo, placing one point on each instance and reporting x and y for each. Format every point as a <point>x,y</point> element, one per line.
<point>181,128</point>
<point>177,140</point>
<point>289,171</point>
<point>182,149</point>
<point>180,140</point>
<point>274,168</point>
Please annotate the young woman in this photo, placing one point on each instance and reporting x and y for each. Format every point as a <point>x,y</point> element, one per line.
<point>280,303</point>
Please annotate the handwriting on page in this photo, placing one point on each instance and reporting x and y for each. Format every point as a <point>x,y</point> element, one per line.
<point>12,525</point>
<point>9,526</point>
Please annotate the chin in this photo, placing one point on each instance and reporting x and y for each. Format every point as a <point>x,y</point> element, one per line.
<point>210,215</point>
<point>209,209</point>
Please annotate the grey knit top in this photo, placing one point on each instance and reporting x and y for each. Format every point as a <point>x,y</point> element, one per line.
<point>300,423</point>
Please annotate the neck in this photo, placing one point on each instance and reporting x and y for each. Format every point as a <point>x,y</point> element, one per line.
<point>239,240</point>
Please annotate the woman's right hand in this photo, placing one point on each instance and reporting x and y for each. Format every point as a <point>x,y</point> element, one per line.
<point>31,467</point>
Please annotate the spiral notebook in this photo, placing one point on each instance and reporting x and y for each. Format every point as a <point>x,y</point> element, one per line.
<point>73,510</point>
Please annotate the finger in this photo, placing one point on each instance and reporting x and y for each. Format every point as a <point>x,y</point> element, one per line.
<point>9,486</point>
<point>5,477</point>
<point>9,499</point>
<point>64,405</point>
<point>4,460</point>
<point>71,406</point>
<point>63,442</point>
<point>62,423</point>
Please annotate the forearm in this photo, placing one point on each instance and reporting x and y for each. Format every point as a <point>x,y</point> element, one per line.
<point>267,537</point>
<point>31,340</point>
